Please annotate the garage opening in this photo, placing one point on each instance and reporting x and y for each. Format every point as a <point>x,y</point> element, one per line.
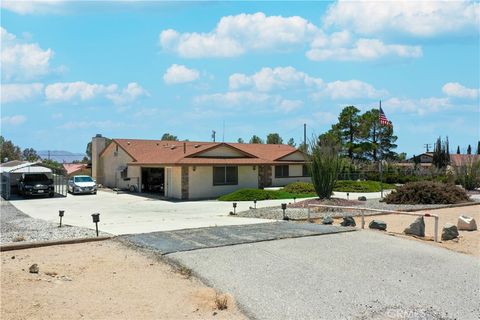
<point>153,180</point>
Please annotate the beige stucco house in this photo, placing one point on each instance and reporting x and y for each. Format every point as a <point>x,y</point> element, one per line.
<point>194,170</point>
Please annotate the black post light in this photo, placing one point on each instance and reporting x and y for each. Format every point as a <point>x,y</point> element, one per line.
<point>348,195</point>
<point>96,220</point>
<point>60,214</point>
<point>234,208</point>
<point>255,203</point>
<point>294,199</point>
<point>284,207</point>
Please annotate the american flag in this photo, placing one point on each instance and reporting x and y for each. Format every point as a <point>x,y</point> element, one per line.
<point>383,119</point>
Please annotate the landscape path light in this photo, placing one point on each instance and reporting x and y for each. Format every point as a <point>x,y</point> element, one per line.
<point>96,220</point>
<point>348,195</point>
<point>284,207</point>
<point>60,214</point>
<point>255,203</point>
<point>294,199</point>
<point>234,208</point>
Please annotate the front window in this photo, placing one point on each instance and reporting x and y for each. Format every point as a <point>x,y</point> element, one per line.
<point>305,171</point>
<point>227,175</point>
<point>83,179</point>
<point>281,171</point>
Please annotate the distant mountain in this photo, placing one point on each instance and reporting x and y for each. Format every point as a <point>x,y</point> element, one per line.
<point>61,155</point>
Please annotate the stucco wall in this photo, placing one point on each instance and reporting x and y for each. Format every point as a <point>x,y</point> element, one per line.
<point>112,176</point>
<point>296,156</point>
<point>201,182</point>
<point>221,152</point>
<point>295,172</point>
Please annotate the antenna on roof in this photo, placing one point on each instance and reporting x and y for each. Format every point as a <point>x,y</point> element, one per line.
<point>223,134</point>
<point>213,135</point>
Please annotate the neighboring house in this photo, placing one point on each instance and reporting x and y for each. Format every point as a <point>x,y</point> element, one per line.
<point>75,169</point>
<point>458,160</point>
<point>194,170</point>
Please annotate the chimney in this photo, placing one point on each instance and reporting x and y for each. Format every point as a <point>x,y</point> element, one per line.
<point>98,144</point>
<point>184,147</point>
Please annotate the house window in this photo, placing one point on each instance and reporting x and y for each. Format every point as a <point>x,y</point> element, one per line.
<point>281,171</point>
<point>305,171</point>
<point>225,175</point>
<point>124,173</point>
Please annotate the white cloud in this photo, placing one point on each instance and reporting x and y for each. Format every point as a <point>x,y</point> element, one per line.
<point>351,89</point>
<point>235,35</point>
<point>361,49</point>
<point>24,7</point>
<point>421,106</point>
<point>66,91</point>
<point>13,120</point>
<point>279,78</point>
<point>107,124</point>
<point>23,61</point>
<point>16,92</point>
<point>241,100</point>
<point>180,74</point>
<point>132,92</point>
<point>455,89</point>
<point>416,18</point>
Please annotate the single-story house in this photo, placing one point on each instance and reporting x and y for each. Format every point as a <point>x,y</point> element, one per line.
<point>194,170</point>
<point>75,169</point>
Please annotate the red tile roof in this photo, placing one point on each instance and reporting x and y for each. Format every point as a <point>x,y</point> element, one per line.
<point>72,167</point>
<point>180,152</point>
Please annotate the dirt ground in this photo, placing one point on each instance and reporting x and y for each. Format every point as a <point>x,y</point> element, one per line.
<point>468,241</point>
<point>102,280</point>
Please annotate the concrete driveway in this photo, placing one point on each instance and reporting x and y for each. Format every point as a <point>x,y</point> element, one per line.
<point>352,275</point>
<point>127,214</point>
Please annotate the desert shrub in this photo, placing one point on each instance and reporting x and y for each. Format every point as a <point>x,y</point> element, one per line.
<point>427,192</point>
<point>259,194</point>
<point>325,167</point>
<point>360,186</point>
<point>299,187</point>
<point>468,175</point>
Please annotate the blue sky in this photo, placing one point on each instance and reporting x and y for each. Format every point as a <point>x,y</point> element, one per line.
<point>132,69</point>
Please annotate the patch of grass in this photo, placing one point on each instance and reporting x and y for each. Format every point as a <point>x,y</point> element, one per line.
<point>221,301</point>
<point>360,186</point>
<point>259,194</point>
<point>300,187</point>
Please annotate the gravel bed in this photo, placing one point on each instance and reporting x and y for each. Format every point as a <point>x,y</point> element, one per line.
<point>16,226</point>
<point>276,213</point>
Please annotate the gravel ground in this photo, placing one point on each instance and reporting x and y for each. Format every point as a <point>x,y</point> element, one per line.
<point>16,226</point>
<point>302,213</point>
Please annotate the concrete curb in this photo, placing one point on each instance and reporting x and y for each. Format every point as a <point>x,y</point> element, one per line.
<point>29,245</point>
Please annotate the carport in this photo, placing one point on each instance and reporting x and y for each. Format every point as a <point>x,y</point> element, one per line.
<point>153,180</point>
<point>12,171</point>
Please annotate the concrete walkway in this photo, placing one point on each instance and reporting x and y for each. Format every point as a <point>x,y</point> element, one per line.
<point>352,275</point>
<point>166,242</point>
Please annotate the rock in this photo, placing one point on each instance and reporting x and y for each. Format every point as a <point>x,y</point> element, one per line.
<point>348,222</point>
<point>327,220</point>
<point>34,268</point>
<point>362,198</point>
<point>466,223</point>
<point>449,232</point>
<point>417,228</point>
<point>377,224</point>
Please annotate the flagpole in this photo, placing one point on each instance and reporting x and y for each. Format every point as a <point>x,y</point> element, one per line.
<point>381,153</point>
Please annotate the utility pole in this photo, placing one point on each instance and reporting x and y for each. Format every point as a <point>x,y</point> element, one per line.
<point>48,154</point>
<point>213,135</point>
<point>427,146</point>
<point>381,153</point>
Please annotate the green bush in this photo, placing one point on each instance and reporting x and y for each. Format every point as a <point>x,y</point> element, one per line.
<point>300,187</point>
<point>468,175</point>
<point>427,192</point>
<point>360,186</point>
<point>325,166</point>
<point>259,194</point>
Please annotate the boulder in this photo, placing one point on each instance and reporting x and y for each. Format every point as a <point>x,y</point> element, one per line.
<point>466,223</point>
<point>449,232</point>
<point>362,198</point>
<point>378,224</point>
<point>417,228</point>
<point>348,222</point>
<point>34,268</point>
<point>327,220</point>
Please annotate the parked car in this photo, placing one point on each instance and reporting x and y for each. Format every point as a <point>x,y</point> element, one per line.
<point>82,184</point>
<point>35,184</point>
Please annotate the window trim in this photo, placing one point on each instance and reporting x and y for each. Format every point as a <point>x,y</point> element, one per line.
<point>225,182</point>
